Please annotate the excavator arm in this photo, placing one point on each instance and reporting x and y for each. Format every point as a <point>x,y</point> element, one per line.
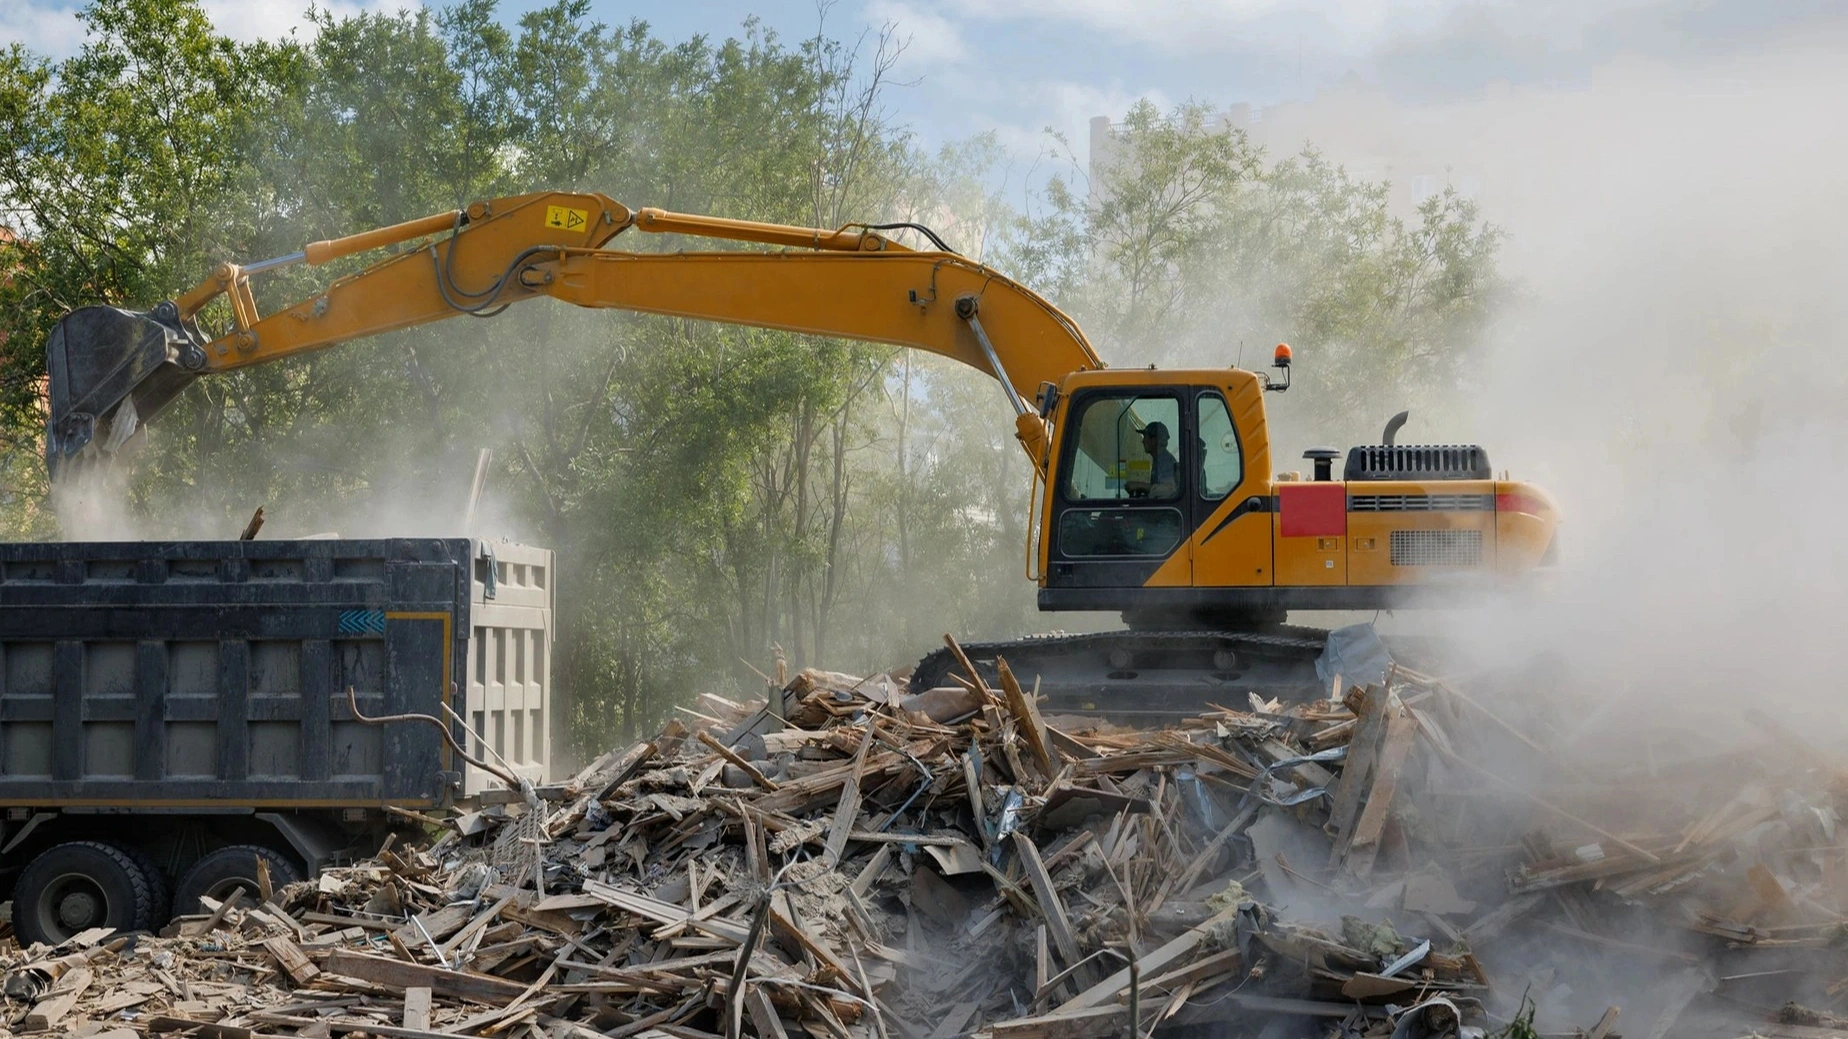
<point>111,370</point>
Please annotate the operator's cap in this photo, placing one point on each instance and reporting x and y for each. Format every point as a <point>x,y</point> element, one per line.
<point>1158,430</point>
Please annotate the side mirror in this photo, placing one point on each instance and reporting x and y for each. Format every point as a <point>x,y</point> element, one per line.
<point>1048,399</point>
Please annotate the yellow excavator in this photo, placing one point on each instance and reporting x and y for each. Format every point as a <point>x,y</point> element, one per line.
<point>1154,489</point>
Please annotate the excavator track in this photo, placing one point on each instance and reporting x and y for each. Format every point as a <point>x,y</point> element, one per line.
<point>1145,676</point>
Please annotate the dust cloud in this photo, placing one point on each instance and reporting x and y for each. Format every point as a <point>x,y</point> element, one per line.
<point>1672,366</point>
<point>98,501</point>
<point>91,503</point>
<point>1673,371</point>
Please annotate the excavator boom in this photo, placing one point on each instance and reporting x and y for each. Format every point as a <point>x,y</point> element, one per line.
<point>112,370</point>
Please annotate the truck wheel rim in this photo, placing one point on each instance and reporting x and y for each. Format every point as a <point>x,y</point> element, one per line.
<point>222,890</point>
<point>72,903</point>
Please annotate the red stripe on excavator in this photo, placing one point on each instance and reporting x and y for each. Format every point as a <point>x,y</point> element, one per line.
<point>1518,502</point>
<point>1312,510</point>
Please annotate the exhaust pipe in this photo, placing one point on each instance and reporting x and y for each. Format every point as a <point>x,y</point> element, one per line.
<point>111,371</point>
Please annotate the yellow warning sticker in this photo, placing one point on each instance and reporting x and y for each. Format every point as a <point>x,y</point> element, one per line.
<point>566,219</point>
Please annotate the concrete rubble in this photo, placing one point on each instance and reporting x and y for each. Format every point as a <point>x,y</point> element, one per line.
<point>859,863</point>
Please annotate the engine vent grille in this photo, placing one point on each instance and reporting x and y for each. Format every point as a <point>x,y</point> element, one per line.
<point>1436,548</point>
<point>1417,462</point>
<point>1421,503</point>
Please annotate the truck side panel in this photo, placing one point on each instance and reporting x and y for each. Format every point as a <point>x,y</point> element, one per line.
<point>215,673</point>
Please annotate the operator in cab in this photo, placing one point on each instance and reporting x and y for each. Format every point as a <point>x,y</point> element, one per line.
<point>1162,465</point>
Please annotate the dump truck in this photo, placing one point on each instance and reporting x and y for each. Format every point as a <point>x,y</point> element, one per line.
<point>182,719</point>
<point>1155,493</point>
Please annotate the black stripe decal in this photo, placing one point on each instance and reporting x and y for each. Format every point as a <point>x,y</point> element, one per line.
<point>1255,503</point>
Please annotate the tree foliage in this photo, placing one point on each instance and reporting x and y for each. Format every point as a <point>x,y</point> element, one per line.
<point>1186,245</point>
<point>718,496</point>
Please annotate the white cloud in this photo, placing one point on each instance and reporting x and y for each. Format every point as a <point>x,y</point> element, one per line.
<point>43,27</point>
<point>1196,26</point>
<point>929,38</point>
<point>274,19</point>
<point>255,19</point>
<point>1352,29</point>
<point>51,27</point>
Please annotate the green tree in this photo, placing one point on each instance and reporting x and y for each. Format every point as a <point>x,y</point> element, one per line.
<point>1187,245</point>
<point>119,175</point>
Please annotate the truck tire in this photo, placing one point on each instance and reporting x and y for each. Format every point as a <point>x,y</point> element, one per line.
<point>76,886</point>
<point>217,874</point>
<point>159,891</point>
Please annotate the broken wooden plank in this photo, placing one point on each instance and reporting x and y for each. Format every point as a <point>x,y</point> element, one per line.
<point>416,1007</point>
<point>1363,840</point>
<point>1027,717</point>
<point>869,874</point>
<point>1370,709</point>
<point>1085,1024</point>
<point>848,810</point>
<point>1605,1023</point>
<point>733,756</point>
<point>1052,909</point>
<point>437,925</point>
<point>397,974</point>
<point>292,959</point>
<point>764,1018</point>
<point>59,999</point>
<point>782,921</point>
<point>975,677</point>
<point>1113,986</point>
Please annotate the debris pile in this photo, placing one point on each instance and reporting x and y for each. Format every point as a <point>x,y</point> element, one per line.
<point>847,861</point>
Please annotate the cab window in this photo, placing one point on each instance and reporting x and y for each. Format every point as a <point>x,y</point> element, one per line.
<point>1127,448</point>
<point>1221,464</point>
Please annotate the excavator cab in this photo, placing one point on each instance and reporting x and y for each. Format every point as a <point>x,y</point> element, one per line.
<point>1130,518</point>
<point>112,370</point>
<point>1229,546</point>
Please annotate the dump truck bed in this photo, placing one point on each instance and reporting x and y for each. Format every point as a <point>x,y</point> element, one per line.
<point>205,674</point>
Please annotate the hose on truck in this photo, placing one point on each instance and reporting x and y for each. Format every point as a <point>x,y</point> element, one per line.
<point>513,781</point>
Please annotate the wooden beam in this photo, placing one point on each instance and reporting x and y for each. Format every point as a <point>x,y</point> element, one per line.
<point>1369,706</point>
<point>59,999</point>
<point>764,1018</point>
<point>1051,908</point>
<point>416,1007</point>
<point>397,974</point>
<point>847,810</point>
<point>1363,841</point>
<point>975,677</point>
<point>300,968</point>
<point>732,756</point>
<point>1094,1023</point>
<point>1107,990</point>
<point>1032,726</point>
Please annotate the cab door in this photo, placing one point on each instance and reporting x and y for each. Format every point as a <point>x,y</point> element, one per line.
<point>1232,536</point>
<point>1121,503</point>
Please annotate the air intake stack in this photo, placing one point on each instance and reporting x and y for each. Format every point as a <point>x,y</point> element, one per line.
<point>1389,461</point>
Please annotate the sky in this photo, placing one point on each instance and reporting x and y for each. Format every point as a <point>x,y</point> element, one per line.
<point>1018,67</point>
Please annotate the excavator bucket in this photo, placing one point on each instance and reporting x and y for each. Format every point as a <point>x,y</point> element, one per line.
<point>111,371</point>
